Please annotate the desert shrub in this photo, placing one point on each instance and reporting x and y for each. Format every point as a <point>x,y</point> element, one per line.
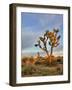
<point>60,61</point>
<point>44,73</point>
<point>53,63</point>
<point>37,63</point>
<point>26,70</point>
<point>31,59</point>
<point>23,61</point>
<point>59,71</point>
<point>46,63</point>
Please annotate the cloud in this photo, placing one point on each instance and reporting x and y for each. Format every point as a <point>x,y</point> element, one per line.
<point>28,37</point>
<point>51,20</point>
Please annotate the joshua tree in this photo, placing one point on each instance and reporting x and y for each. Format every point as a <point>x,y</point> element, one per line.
<point>42,43</point>
<point>52,39</point>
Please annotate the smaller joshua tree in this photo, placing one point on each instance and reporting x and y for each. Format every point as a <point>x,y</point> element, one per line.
<point>50,38</point>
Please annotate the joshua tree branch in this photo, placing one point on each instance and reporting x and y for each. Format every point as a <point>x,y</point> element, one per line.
<point>56,45</point>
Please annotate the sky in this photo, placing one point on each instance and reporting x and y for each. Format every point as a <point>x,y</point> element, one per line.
<point>33,25</point>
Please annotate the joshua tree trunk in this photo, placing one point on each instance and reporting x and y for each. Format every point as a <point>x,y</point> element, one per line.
<point>47,53</point>
<point>51,50</point>
<point>51,54</point>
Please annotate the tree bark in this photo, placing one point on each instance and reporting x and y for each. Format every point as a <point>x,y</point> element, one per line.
<point>51,54</point>
<point>47,53</point>
<point>51,50</point>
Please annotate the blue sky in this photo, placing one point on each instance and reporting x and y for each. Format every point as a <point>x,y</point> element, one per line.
<point>33,25</point>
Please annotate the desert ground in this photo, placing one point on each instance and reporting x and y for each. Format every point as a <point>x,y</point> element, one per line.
<point>41,66</point>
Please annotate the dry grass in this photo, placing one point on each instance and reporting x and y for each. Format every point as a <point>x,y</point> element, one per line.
<point>41,67</point>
